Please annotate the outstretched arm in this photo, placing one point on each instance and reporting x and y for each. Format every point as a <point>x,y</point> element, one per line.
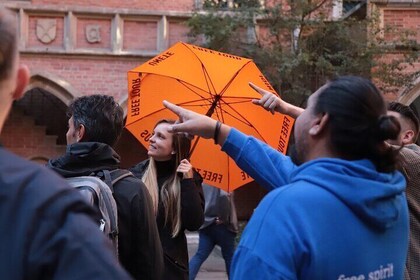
<point>270,168</point>
<point>271,102</point>
<point>197,124</point>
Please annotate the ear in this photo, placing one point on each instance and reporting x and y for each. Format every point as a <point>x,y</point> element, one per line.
<point>81,132</point>
<point>21,81</point>
<point>407,137</point>
<point>319,124</point>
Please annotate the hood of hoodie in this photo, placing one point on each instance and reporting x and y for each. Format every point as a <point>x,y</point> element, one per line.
<point>81,159</point>
<point>376,198</point>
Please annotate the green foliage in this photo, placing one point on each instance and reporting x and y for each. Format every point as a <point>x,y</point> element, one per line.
<point>300,49</point>
<point>218,31</point>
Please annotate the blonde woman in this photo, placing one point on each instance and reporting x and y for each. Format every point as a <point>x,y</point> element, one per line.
<point>176,193</point>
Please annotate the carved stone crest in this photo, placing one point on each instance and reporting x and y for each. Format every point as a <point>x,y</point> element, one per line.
<point>93,33</point>
<point>46,30</point>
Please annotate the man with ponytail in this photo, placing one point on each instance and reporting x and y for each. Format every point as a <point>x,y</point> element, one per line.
<point>336,208</point>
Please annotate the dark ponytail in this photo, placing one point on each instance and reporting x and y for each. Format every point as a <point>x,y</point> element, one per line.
<point>358,122</point>
<point>385,156</point>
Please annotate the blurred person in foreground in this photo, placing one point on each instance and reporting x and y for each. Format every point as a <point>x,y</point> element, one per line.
<point>47,231</point>
<point>337,207</point>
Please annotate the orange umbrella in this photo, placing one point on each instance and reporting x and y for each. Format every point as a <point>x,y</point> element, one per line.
<point>208,82</point>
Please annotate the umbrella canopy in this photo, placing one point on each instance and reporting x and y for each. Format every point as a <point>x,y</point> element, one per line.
<point>208,82</point>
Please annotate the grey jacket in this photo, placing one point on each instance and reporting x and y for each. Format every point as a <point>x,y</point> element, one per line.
<point>219,206</point>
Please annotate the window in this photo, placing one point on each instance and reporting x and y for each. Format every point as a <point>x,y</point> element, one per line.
<point>231,4</point>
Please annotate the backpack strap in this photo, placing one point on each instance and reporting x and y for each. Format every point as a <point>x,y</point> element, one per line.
<point>112,177</point>
<point>108,180</point>
<point>119,174</point>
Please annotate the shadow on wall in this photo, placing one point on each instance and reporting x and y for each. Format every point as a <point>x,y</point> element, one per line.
<point>130,150</point>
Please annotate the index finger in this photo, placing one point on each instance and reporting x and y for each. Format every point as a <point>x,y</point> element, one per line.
<point>256,88</point>
<point>172,107</point>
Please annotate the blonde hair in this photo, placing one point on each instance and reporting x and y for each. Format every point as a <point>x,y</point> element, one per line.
<point>170,193</point>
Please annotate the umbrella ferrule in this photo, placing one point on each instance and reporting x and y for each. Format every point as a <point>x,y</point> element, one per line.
<point>210,112</point>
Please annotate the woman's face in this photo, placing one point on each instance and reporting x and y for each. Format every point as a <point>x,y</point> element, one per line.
<point>160,144</point>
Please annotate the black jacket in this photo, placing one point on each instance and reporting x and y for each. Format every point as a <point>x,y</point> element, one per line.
<point>140,251</point>
<point>47,231</point>
<point>192,217</point>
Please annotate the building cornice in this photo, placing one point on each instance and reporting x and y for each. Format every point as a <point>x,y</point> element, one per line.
<point>54,9</point>
<point>71,14</point>
<point>397,3</point>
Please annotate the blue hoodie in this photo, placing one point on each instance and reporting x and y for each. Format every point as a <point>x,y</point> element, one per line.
<point>326,219</point>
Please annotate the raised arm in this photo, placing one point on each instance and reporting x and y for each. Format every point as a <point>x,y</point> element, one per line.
<point>197,124</point>
<point>272,103</point>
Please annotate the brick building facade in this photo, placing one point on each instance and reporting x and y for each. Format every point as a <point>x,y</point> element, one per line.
<point>80,47</point>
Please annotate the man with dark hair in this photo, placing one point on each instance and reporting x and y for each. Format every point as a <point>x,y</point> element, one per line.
<point>95,124</point>
<point>47,230</point>
<point>409,123</point>
<point>337,209</point>
<point>410,166</point>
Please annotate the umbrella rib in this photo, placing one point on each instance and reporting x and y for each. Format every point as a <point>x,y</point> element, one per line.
<point>243,120</point>
<point>204,70</point>
<point>233,78</point>
<point>244,100</point>
<point>189,103</point>
<point>188,86</point>
<point>207,77</point>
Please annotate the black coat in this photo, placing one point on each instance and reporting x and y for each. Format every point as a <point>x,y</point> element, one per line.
<point>140,251</point>
<point>47,231</point>
<point>192,217</point>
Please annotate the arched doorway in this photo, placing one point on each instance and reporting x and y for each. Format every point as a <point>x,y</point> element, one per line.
<point>36,126</point>
<point>411,95</point>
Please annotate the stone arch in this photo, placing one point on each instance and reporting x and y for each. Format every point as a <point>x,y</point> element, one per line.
<point>128,147</point>
<point>408,96</point>
<point>123,104</point>
<point>53,84</point>
<point>411,96</point>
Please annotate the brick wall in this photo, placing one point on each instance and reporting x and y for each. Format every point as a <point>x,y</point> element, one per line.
<point>23,137</point>
<point>403,19</point>
<point>144,37</point>
<point>178,5</point>
<point>88,75</point>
